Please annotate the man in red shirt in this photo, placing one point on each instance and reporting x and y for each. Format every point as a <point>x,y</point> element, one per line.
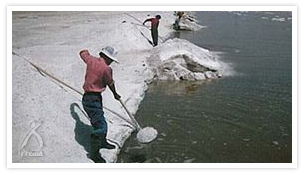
<point>98,76</point>
<point>154,28</point>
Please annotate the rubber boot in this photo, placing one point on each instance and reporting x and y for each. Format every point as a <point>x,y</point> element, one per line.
<point>96,142</point>
<point>105,144</point>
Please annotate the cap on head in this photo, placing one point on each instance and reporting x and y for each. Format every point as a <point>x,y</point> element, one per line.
<point>158,16</point>
<point>110,52</point>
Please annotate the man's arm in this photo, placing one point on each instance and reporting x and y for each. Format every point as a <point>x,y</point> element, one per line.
<point>115,94</point>
<point>146,21</point>
<point>84,54</point>
<point>110,82</point>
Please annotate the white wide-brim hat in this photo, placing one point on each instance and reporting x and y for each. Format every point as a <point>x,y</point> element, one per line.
<point>110,52</point>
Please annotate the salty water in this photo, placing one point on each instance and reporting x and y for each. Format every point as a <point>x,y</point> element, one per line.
<point>245,117</point>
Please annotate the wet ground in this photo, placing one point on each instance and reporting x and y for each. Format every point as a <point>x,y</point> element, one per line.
<point>242,118</point>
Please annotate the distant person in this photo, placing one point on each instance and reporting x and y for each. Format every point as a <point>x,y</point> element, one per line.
<point>98,76</point>
<point>178,20</point>
<point>154,28</point>
<point>180,14</point>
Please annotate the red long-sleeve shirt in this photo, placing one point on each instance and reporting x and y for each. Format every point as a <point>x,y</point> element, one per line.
<point>154,22</point>
<point>98,73</point>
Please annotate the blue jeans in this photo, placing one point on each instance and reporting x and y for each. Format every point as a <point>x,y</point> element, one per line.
<point>93,105</point>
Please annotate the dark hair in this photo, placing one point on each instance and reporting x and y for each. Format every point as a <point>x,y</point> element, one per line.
<point>102,55</point>
<point>105,57</point>
<point>158,16</point>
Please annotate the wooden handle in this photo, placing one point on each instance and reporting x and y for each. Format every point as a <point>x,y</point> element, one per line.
<point>131,117</point>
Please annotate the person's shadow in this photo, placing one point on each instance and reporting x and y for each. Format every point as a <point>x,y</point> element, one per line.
<point>82,131</point>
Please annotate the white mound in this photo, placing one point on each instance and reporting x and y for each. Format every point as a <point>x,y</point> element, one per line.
<point>178,59</point>
<point>147,135</point>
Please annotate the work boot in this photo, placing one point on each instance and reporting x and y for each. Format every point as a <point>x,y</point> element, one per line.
<point>96,143</point>
<point>105,144</point>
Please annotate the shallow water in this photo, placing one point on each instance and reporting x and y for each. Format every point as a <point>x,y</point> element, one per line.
<point>242,118</point>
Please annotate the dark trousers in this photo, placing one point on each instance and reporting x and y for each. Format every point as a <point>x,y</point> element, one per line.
<point>93,105</point>
<point>154,35</point>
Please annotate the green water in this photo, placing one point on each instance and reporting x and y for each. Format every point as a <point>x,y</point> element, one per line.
<point>242,118</point>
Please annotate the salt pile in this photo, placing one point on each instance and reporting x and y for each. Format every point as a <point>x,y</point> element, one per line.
<point>179,59</point>
<point>147,135</point>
